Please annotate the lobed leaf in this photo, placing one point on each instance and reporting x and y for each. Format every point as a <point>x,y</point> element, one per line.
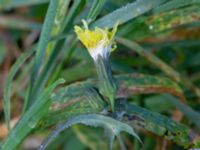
<point>112,127</point>
<point>159,125</point>
<point>129,84</point>
<point>139,117</point>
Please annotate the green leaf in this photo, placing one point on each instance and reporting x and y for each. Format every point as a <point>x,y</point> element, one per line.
<point>174,4</point>
<point>192,115</point>
<point>42,45</point>
<point>174,19</point>
<point>72,91</point>
<point>129,84</point>
<point>30,118</point>
<point>97,5</point>
<point>19,23</point>
<point>95,100</point>
<point>72,97</point>
<point>69,140</point>
<point>148,120</point>
<point>127,13</point>
<point>8,84</point>
<point>51,63</point>
<point>167,102</point>
<point>59,18</point>
<point>112,127</point>
<point>153,101</point>
<point>2,52</point>
<point>171,72</point>
<point>150,57</point>
<point>61,112</point>
<point>89,102</point>
<point>157,124</point>
<point>91,137</point>
<point>8,4</point>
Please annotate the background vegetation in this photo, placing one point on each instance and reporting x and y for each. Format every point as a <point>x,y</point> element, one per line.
<point>156,65</point>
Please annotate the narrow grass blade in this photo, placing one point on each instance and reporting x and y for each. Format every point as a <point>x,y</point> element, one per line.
<point>18,23</point>
<point>51,63</point>
<point>8,4</point>
<point>8,83</point>
<point>59,19</point>
<point>172,73</point>
<point>44,38</point>
<point>75,9</point>
<point>43,42</point>
<point>174,19</point>
<point>30,118</point>
<point>95,10</point>
<point>152,58</point>
<point>127,13</point>
<point>174,4</point>
<point>192,115</point>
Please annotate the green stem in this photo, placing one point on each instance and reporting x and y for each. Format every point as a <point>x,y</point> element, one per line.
<point>107,83</point>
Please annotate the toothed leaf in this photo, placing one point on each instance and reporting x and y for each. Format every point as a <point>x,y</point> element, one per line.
<point>112,127</point>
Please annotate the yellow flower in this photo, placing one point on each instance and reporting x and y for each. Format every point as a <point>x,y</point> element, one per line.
<point>98,41</point>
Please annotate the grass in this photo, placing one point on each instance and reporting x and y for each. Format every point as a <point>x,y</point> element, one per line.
<point>148,88</point>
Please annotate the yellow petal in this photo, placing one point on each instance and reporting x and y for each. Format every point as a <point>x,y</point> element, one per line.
<point>93,38</point>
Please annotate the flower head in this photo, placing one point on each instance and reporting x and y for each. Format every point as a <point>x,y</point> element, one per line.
<point>98,41</point>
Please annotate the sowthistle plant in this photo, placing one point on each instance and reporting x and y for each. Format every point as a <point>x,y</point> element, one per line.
<point>79,105</point>
<point>100,43</point>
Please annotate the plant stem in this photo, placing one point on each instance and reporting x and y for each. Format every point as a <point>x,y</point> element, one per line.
<point>107,83</point>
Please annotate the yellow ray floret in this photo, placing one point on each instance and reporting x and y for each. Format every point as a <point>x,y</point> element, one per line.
<point>93,38</point>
